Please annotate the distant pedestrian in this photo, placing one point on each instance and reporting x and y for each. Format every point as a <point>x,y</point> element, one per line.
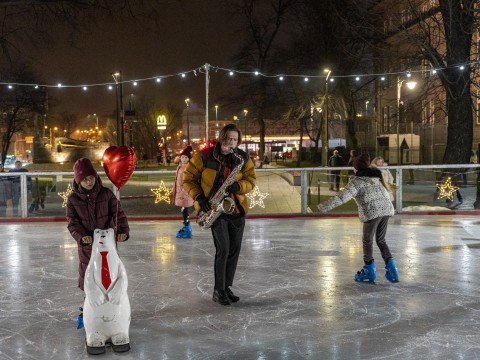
<point>353,154</point>
<point>335,161</point>
<point>374,209</point>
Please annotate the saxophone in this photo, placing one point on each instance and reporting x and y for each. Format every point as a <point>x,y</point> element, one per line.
<point>220,202</point>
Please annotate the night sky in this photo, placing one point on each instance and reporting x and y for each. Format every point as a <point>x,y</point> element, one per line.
<point>187,37</point>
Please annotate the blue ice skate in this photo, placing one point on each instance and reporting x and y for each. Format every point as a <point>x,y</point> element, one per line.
<point>392,272</point>
<point>185,232</point>
<point>368,273</point>
<point>80,321</point>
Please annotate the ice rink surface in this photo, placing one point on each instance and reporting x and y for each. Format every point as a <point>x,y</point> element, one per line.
<point>294,278</point>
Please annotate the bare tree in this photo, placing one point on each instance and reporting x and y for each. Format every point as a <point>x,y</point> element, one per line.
<point>262,25</point>
<point>18,105</point>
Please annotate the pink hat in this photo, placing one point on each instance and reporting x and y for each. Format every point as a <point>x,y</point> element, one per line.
<point>83,168</point>
<point>361,162</point>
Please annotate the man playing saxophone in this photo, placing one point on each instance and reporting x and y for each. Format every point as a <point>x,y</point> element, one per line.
<point>226,171</point>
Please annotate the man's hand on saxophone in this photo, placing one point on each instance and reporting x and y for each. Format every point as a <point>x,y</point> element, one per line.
<point>203,203</point>
<point>234,188</point>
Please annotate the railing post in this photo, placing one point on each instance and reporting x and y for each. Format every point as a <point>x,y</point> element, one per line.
<point>304,192</point>
<point>399,182</point>
<point>23,196</point>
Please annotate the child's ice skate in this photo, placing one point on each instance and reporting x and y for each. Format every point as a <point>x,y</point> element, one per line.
<point>392,271</point>
<point>80,319</point>
<point>185,232</point>
<point>367,273</point>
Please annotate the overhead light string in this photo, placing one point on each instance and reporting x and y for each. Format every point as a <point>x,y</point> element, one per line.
<point>231,72</point>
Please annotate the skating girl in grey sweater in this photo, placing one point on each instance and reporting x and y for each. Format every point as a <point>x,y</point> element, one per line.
<point>374,209</point>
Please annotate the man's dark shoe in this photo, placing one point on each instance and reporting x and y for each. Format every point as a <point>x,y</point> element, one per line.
<point>231,295</point>
<point>221,297</point>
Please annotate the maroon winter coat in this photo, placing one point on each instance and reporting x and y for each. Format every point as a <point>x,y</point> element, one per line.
<point>89,211</point>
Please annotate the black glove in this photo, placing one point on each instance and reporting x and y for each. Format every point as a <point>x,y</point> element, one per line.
<point>234,188</point>
<point>203,203</point>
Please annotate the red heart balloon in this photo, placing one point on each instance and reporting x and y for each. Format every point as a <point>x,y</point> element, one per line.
<point>119,163</point>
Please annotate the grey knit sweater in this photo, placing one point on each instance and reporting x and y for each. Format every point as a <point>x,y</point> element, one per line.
<point>370,195</point>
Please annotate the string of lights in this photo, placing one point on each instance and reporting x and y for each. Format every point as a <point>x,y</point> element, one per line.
<point>233,72</point>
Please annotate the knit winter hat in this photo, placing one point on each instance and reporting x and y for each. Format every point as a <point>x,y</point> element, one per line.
<point>187,152</point>
<point>83,167</point>
<point>361,162</point>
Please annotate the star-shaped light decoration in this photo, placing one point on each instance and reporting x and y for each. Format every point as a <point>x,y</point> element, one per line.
<point>162,193</point>
<point>256,197</point>
<point>66,194</point>
<point>447,189</point>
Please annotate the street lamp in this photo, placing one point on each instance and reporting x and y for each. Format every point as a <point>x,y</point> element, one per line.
<point>245,111</point>
<point>411,85</point>
<point>187,101</point>
<point>216,112</point>
<point>117,77</point>
<point>96,118</point>
<point>325,123</point>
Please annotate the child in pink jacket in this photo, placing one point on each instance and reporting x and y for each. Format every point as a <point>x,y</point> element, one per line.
<point>181,197</point>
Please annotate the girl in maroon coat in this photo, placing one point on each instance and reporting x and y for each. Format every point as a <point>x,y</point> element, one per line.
<point>92,206</point>
<point>180,196</point>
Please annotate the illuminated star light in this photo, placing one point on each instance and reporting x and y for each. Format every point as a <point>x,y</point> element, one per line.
<point>256,197</point>
<point>162,193</point>
<point>447,189</point>
<point>66,194</point>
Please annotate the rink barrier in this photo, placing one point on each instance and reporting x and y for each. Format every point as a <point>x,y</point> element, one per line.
<point>302,184</point>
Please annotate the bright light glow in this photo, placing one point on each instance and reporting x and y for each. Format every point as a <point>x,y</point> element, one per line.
<point>231,73</point>
<point>159,79</point>
<point>110,87</point>
<point>281,78</point>
<point>434,71</point>
<point>36,86</point>
<point>256,72</point>
<point>357,78</point>
<point>382,78</point>
<point>10,86</point>
<point>85,88</point>
<point>135,83</point>
<point>411,84</point>
<point>59,85</point>
<point>462,67</point>
<point>183,75</point>
<point>306,79</point>
<point>409,75</point>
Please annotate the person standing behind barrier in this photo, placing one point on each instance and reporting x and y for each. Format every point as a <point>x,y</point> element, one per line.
<point>205,174</point>
<point>6,194</point>
<point>180,196</point>
<point>353,154</point>
<point>335,161</point>
<point>378,163</point>
<point>17,191</point>
<point>374,209</point>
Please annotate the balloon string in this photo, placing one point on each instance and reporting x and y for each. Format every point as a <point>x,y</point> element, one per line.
<point>116,221</point>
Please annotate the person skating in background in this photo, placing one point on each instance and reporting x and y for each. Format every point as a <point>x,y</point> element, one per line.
<point>180,195</point>
<point>379,164</point>
<point>335,161</point>
<point>205,174</point>
<point>92,206</point>
<point>374,210</point>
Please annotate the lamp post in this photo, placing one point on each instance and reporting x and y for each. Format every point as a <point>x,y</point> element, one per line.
<point>187,101</point>
<point>245,111</point>
<point>411,85</point>
<point>117,77</point>
<point>216,112</point>
<point>325,123</point>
